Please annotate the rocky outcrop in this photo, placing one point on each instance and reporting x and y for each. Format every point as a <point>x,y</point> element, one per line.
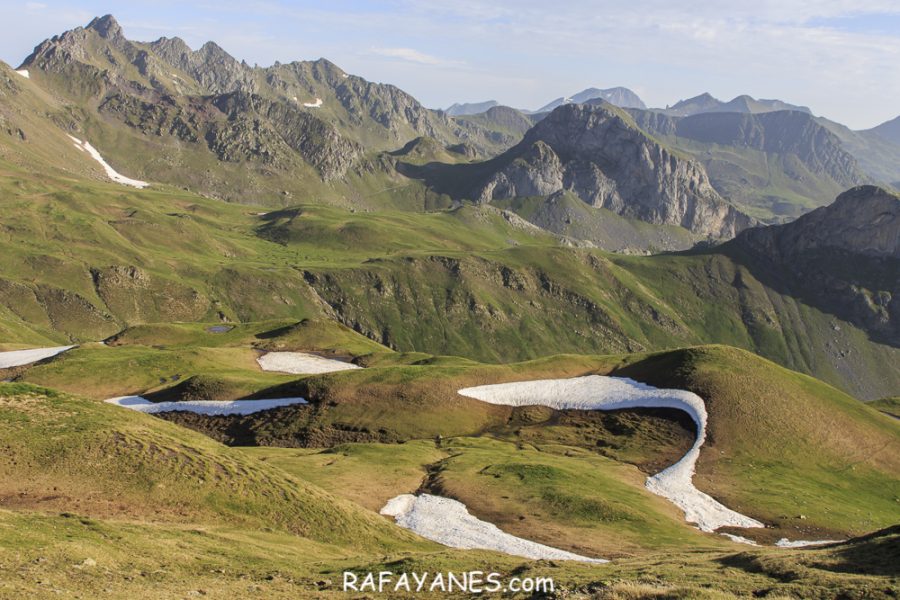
<point>598,154</point>
<point>317,141</point>
<point>844,258</point>
<point>215,70</point>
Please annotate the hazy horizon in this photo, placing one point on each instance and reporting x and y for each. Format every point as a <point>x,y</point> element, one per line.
<point>836,57</point>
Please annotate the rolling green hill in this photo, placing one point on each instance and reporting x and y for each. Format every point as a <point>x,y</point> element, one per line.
<point>128,505</point>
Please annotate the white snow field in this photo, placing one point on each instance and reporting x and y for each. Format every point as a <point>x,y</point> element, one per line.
<point>301,363</point>
<point>786,543</point>
<point>17,358</point>
<point>595,392</point>
<point>204,407</point>
<point>110,172</point>
<point>315,104</point>
<point>448,522</point>
<point>24,73</point>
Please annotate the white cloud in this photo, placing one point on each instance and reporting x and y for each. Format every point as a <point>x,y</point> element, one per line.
<point>413,56</point>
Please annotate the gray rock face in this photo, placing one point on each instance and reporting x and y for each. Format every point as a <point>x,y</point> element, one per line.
<point>595,153</point>
<point>844,258</point>
<point>214,69</point>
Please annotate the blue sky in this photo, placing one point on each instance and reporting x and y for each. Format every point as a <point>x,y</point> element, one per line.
<point>839,57</point>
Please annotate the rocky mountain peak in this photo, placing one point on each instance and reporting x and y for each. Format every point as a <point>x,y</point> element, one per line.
<point>106,27</point>
<point>596,152</point>
<point>864,220</point>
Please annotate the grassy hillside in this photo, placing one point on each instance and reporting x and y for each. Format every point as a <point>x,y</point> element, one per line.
<point>86,260</point>
<point>890,406</point>
<point>101,500</point>
<point>64,452</point>
<point>763,420</point>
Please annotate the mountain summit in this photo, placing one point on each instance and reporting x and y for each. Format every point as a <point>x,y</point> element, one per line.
<point>596,152</point>
<point>617,96</point>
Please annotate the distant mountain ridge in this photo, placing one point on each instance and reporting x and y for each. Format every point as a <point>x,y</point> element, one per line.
<point>283,129</point>
<point>889,130</point>
<point>470,108</point>
<point>781,132</point>
<point>617,96</point>
<point>705,103</point>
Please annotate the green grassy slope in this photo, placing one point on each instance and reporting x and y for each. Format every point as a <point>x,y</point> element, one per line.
<point>763,421</point>
<point>890,406</point>
<point>98,500</point>
<point>86,260</point>
<point>64,452</point>
<point>83,259</point>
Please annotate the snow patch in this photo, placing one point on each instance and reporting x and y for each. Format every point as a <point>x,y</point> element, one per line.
<point>24,73</point>
<point>315,104</point>
<point>301,363</point>
<point>596,392</point>
<point>110,172</point>
<point>204,407</point>
<point>448,522</point>
<point>740,539</point>
<point>786,543</point>
<point>17,358</point>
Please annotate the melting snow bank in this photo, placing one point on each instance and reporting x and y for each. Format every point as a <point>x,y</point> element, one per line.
<point>24,73</point>
<point>204,407</point>
<point>596,392</point>
<point>448,522</point>
<point>17,358</point>
<point>110,172</point>
<point>786,543</point>
<point>301,363</point>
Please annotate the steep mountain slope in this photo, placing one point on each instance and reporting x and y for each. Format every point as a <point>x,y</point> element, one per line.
<point>889,130</point>
<point>597,153</point>
<point>776,165</point>
<point>878,157</point>
<point>705,103</point>
<point>617,96</point>
<point>845,256</point>
<point>84,259</point>
<point>470,108</point>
